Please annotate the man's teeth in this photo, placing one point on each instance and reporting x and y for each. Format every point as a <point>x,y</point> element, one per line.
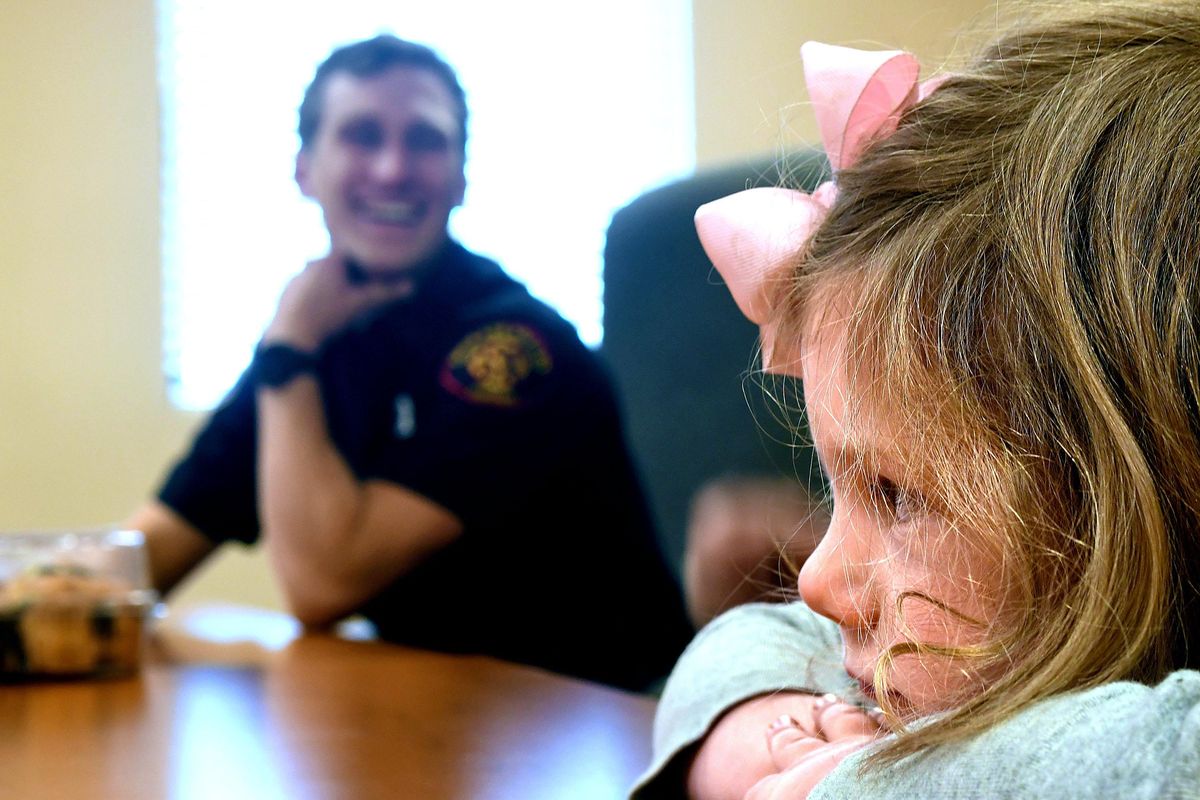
<point>398,213</point>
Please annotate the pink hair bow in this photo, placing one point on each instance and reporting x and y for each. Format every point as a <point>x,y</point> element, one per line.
<point>858,97</point>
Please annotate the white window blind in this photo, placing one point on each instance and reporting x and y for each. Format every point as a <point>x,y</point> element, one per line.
<point>575,108</point>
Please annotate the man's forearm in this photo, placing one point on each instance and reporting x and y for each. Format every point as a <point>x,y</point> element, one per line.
<point>310,502</point>
<point>174,547</point>
<point>333,540</point>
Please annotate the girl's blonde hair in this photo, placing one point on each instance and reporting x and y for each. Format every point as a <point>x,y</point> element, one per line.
<point>1024,257</point>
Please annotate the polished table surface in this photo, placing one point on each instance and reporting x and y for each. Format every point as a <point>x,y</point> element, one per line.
<point>234,704</point>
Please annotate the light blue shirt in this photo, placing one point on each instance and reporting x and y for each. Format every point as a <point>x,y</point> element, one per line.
<point>1121,740</point>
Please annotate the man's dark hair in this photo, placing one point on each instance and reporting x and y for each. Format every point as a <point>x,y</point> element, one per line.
<point>372,57</point>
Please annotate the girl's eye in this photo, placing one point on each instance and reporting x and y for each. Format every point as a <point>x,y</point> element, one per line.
<point>893,499</point>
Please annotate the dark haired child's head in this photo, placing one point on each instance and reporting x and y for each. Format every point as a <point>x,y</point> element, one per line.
<point>998,327</point>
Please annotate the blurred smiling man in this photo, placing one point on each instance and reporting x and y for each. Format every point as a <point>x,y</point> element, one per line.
<point>387,164</point>
<point>418,440</point>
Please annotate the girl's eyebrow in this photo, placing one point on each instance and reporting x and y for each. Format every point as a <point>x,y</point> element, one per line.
<point>860,450</point>
<point>868,457</point>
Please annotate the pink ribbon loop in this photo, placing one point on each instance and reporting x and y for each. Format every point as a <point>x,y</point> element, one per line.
<point>752,237</point>
<point>857,95</point>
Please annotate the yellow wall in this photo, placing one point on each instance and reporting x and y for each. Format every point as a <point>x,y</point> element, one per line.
<point>85,427</point>
<point>750,95</point>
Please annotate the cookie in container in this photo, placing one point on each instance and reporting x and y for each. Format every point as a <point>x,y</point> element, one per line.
<point>72,604</point>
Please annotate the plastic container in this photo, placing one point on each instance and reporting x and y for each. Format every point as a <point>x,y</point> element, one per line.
<point>73,604</point>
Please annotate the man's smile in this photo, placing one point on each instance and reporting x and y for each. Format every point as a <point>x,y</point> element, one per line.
<point>406,213</point>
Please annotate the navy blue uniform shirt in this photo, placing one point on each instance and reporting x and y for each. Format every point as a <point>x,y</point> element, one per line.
<point>482,399</point>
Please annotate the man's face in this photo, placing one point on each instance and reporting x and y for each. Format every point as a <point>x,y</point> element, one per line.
<point>386,166</point>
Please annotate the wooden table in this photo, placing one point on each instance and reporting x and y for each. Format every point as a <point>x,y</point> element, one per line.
<point>280,715</point>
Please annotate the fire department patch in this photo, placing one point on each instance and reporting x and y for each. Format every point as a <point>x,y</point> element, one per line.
<point>492,365</point>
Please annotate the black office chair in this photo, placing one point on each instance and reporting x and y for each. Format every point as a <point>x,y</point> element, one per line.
<point>685,358</point>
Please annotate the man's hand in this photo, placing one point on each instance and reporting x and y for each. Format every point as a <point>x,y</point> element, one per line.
<point>805,754</point>
<point>321,300</point>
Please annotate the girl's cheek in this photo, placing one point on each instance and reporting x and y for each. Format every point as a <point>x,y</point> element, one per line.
<point>935,682</point>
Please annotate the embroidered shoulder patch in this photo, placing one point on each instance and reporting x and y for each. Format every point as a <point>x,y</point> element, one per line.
<point>491,365</point>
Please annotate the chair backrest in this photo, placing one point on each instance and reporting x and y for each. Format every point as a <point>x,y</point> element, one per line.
<point>685,359</point>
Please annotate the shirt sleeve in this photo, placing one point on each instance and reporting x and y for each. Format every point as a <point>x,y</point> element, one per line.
<point>1122,740</point>
<point>753,649</point>
<point>213,485</point>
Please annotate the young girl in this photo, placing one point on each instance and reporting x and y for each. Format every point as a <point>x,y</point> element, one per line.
<point>995,312</point>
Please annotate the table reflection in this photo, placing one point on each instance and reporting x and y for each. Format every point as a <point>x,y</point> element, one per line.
<point>259,710</point>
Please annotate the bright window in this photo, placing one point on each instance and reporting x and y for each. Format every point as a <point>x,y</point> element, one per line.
<point>575,109</point>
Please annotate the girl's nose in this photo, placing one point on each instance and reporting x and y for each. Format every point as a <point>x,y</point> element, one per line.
<point>836,580</point>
